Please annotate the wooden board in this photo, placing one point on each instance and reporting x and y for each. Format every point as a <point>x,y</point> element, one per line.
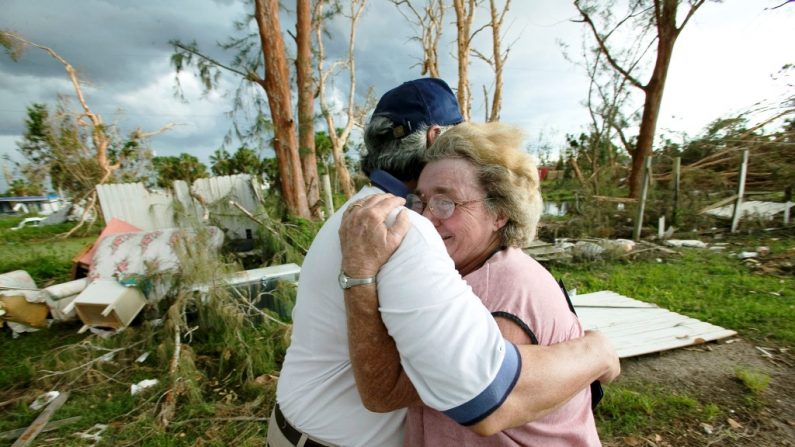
<point>638,328</point>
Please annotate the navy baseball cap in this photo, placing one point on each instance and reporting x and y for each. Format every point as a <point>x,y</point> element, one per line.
<point>424,101</point>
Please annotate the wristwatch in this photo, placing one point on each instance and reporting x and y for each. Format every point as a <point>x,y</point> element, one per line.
<point>346,282</point>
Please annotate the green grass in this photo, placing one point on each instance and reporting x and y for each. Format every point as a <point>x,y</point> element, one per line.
<point>711,286</point>
<point>702,284</point>
<point>40,251</point>
<point>755,381</point>
<point>633,408</point>
<point>699,283</point>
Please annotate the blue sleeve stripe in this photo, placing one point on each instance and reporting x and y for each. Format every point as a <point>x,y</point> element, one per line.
<point>482,405</point>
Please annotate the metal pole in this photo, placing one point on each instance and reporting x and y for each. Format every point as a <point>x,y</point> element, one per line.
<point>642,204</point>
<point>677,178</point>
<point>740,192</point>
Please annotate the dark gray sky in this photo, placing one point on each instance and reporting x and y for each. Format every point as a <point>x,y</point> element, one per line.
<point>722,64</point>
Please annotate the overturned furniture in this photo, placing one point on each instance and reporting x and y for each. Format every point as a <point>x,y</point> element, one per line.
<point>107,304</point>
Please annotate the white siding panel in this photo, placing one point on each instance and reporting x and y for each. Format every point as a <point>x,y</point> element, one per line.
<point>134,204</point>
<point>638,328</point>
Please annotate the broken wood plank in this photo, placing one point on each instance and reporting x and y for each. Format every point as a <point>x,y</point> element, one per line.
<point>38,425</point>
<point>614,199</point>
<point>54,425</point>
<point>636,328</point>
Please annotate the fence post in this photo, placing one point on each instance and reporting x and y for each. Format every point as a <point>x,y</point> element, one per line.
<point>327,193</point>
<point>677,178</point>
<point>642,204</point>
<point>740,192</point>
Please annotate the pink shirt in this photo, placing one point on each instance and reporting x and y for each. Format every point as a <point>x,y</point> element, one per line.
<point>513,282</point>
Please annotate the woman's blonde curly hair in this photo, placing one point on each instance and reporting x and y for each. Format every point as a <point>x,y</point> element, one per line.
<point>506,173</point>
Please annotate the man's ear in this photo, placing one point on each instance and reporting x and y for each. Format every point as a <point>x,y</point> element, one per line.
<point>433,132</point>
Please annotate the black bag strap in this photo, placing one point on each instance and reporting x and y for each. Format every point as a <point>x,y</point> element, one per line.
<point>525,328</point>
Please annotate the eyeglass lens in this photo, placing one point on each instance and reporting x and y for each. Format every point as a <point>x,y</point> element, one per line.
<point>441,207</point>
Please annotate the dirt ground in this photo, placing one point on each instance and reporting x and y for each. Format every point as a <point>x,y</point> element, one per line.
<point>707,372</point>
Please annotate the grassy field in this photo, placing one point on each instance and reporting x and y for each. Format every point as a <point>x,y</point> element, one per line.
<point>712,286</point>
<point>40,250</point>
<point>223,398</point>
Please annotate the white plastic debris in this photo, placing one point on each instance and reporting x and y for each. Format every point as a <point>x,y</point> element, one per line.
<point>694,243</point>
<point>142,385</point>
<point>747,255</point>
<point>587,250</point>
<point>142,358</point>
<point>93,434</point>
<point>43,400</point>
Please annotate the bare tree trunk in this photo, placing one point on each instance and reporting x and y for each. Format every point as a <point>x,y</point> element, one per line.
<point>338,141</point>
<point>465,15</point>
<point>664,23</point>
<point>578,172</point>
<point>499,58</point>
<point>277,87</point>
<point>430,25</point>
<point>306,109</point>
<point>667,33</point>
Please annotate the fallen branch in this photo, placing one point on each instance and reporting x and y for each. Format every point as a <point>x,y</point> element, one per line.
<point>54,425</point>
<point>101,358</point>
<point>614,199</point>
<point>169,406</point>
<point>255,308</point>
<point>227,419</point>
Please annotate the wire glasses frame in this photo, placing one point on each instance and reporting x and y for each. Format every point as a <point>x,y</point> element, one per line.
<point>441,206</point>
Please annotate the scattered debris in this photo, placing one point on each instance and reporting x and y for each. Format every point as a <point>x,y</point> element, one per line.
<point>751,208</point>
<point>765,351</point>
<point>107,304</point>
<point>693,243</point>
<point>50,426</point>
<point>28,222</point>
<point>21,303</point>
<point>43,400</point>
<point>93,434</point>
<point>142,385</point>
<point>747,255</point>
<point>708,429</point>
<point>38,425</point>
<point>734,424</point>
<point>142,358</point>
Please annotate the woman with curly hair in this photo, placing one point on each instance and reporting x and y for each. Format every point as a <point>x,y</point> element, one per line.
<point>481,192</point>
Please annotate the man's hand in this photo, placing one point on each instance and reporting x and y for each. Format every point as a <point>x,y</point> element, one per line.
<point>608,354</point>
<point>366,240</point>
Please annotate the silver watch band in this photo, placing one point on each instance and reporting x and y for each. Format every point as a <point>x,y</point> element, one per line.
<point>346,282</point>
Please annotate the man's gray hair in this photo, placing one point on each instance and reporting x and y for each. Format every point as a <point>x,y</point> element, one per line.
<point>401,157</point>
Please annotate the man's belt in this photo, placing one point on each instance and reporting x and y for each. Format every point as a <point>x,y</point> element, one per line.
<point>291,433</point>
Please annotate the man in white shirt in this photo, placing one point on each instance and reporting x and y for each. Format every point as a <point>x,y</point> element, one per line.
<point>450,346</point>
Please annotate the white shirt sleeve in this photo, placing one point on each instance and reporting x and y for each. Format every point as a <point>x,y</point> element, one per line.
<point>449,344</point>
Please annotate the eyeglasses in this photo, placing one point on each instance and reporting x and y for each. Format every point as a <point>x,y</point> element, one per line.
<point>442,207</point>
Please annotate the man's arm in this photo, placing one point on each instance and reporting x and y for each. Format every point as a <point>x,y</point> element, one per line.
<point>549,375</point>
<point>382,384</point>
<point>380,379</point>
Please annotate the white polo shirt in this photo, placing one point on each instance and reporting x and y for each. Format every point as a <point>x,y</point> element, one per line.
<point>449,344</point>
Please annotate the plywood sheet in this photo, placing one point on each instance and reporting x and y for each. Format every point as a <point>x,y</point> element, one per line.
<point>638,328</point>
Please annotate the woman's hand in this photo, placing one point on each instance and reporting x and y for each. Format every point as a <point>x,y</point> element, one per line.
<point>368,234</point>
